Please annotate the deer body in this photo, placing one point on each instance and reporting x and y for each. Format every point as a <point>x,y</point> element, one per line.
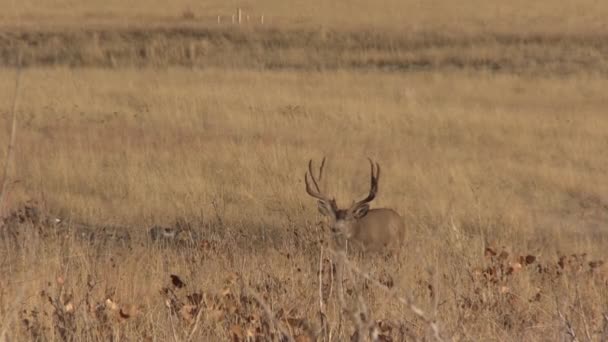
<point>372,230</point>
<point>380,229</point>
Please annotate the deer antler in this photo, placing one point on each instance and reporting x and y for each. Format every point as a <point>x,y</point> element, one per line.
<point>375,176</point>
<point>315,193</point>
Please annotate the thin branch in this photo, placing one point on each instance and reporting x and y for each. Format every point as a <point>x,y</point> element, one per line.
<point>568,326</point>
<point>197,320</point>
<point>406,301</point>
<point>321,304</point>
<point>172,326</point>
<point>11,143</point>
<point>605,328</point>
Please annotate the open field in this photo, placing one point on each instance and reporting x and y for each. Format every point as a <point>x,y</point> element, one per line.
<point>435,15</point>
<point>492,144</point>
<point>478,159</point>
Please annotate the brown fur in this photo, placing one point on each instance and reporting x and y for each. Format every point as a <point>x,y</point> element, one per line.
<point>380,229</point>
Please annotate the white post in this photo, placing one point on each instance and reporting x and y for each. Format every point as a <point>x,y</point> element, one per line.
<point>239,13</point>
<point>219,19</point>
<point>262,19</point>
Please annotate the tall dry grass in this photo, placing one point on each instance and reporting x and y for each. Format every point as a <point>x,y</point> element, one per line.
<point>144,145</point>
<point>473,161</point>
<point>436,15</point>
<point>487,119</point>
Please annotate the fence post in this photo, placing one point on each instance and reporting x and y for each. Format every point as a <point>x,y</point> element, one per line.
<point>262,19</point>
<point>239,14</point>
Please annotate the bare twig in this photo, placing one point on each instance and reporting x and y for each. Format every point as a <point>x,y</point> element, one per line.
<point>605,328</point>
<point>568,326</point>
<point>321,304</point>
<point>406,301</point>
<point>175,338</point>
<point>582,314</point>
<point>196,321</point>
<point>218,216</point>
<point>331,291</point>
<point>322,307</point>
<point>11,143</point>
<point>340,288</point>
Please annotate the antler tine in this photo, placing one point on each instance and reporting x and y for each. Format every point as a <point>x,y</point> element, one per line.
<point>312,175</point>
<point>317,194</point>
<point>377,173</point>
<point>321,168</point>
<point>375,176</point>
<point>310,191</point>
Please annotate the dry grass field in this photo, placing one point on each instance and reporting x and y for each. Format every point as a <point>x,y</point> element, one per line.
<point>488,120</point>
<point>567,16</point>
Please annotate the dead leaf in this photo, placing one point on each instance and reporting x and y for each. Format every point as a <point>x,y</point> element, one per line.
<point>489,252</point>
<point>123,314</point>
<point>237,333</point>
<point>514,267</point>
<point>530,259</point>
<point>188,312</point>
<point>111,305</point>
<point>128,311</point>
<point>177,282</point>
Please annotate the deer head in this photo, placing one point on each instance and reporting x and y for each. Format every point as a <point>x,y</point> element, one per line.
<point>343,222</point>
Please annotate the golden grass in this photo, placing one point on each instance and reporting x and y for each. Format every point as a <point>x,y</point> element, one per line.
<point>471,160</point>
<point>488,120</point>
<point>170,141</point>
<point>476,15</point>
<point>513,37</point>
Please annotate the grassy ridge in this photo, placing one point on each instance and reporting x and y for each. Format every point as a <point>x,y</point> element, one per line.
<point>308,49</point>
<point>404,15</point>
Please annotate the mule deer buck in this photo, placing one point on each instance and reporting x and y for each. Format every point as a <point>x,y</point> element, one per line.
<point>371,230</point>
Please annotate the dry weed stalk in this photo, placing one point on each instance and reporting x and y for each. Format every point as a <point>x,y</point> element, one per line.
<point>196,320</point>
<point>605,328</point>
<point>11,142</point>
<point>5,178</point>
<point>569,330</point>
<point>342,258</point>
<point>267,311</point>
<point>322,312</point>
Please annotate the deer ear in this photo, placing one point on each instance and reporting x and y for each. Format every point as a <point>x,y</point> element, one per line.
<point>361,211</point>
<point>326,209</point>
